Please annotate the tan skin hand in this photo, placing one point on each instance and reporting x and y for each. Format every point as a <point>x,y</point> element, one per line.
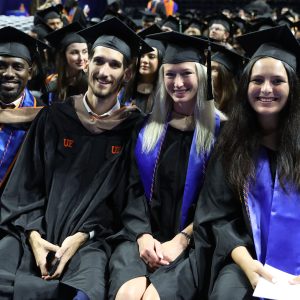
<point>252,268</point>
<point>173,248</point>
<point>150,251</point>
<point>40,249</point>
<point>68,248</point>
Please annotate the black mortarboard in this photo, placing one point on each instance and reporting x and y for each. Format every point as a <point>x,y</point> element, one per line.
<point>116,35</point>
<point>232,60</point>
<point>62,38</point>
<point>277,42</point>
<point>52,12</point>
<point>181,47</point>
<point>109,13</point>
<point>171,22</point>
<point>148,16</point>
<point>151,42</point>
<point>284,20</point>
<point>16,43</point>
<point>262,22</point>
<point>221,19</point>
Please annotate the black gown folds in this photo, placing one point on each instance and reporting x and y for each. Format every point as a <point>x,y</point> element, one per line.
<point>66,180</point>
<point>161,217</point>
<point>221,224</point>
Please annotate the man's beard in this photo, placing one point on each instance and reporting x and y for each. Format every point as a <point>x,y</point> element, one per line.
<point>9,96</point>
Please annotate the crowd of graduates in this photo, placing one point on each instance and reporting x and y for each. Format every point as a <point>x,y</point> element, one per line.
<point>151,158</point>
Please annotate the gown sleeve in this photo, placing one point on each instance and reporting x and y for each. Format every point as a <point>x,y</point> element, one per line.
<point>220,224</point>
<point>24,197</point>
<point>136,215</point>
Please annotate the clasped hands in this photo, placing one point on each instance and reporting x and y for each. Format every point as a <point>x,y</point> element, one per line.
<point>63,253</point>
<point>156,254</point>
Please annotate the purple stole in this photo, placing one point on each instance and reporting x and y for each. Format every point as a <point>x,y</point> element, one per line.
<point>147,164</point>
<point>275,219</point>
<point>11,140</point>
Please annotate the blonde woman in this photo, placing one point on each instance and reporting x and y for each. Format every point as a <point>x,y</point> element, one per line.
<point>171,154</point>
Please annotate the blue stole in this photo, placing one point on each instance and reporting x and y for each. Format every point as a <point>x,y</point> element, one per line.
<point>11,140</point>
<point>275,219</point>
<point>147,165</point>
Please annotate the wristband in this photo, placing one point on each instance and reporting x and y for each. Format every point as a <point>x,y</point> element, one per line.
<point>187,236</point>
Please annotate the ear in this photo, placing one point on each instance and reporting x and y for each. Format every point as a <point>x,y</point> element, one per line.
<point>226,35</point>
<point>128,74</point>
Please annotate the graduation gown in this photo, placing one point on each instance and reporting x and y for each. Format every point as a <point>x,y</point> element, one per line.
<point>221,224</point>
<point>160,217</point>
<point>66,180</point>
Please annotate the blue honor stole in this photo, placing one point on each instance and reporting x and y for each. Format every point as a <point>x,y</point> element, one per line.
<point>147,165</point>
<point>11,140</point>
<point>275,219</point>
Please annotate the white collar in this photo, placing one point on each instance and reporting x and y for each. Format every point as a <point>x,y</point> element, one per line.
<point>114,108</point>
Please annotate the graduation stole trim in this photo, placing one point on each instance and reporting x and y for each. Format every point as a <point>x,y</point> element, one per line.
<point>275,219</point>
<point>147,166</point>
<point>11,140</point>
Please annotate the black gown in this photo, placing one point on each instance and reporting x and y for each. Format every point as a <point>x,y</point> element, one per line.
<point>66,180</point>
<point>222,224</point>
<point>161,218</point>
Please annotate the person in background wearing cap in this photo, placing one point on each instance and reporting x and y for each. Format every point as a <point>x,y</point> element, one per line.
<point>226,66</point>
<point>220,29</point>
<point>18,107</point>
<point>171,154</point>
<point>249,209</point>
<point>68,185</point>
<point>170,24</point>
<point>141,89</point>
<point>51,17</point>
<point>71,63</point>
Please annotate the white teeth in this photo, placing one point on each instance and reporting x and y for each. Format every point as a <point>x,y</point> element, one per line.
<point>266,99</point>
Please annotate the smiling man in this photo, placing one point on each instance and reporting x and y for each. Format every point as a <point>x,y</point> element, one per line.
<point>17,105</point>
<point>72,176</point>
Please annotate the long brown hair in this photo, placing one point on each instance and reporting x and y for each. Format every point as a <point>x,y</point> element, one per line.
<point>239,141</point>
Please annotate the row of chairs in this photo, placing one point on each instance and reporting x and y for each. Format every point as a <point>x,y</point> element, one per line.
<point>22,23</point>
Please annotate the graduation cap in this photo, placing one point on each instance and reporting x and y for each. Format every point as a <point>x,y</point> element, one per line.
<point>284,20</point>
<point>262,22</point>
<point>109,13</point>
<point>62,38</point>
<point>116,35</point>
<point>148,16</point>
<point>172,23</point>
<point>277,42</point>
<point>223,20</point>
<point>52,12</point>
<point>230,59</point>
<point>185,48</point>
<point>16,43</point>
<point>195,24</point>
<point>152,42</point>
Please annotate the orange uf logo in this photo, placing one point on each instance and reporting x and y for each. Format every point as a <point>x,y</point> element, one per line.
<point>116,149</point>
<point>68,143</point>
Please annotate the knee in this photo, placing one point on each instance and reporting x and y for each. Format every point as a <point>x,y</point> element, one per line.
<point>130,291</point>
<point>151,293</point>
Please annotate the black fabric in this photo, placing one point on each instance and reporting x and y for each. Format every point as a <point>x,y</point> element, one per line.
<point>232,278</point>
<point>161,217</point>
<point>68,180</point>
<point>221,224</point>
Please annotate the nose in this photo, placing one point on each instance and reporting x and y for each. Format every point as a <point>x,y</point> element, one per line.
<point>8,72</point>
<point>266,87</point>
<point>144,60</point>
<point>104,70</point>
<point>178,82</point>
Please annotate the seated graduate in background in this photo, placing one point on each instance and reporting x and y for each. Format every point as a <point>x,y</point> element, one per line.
<point>140,90</point>
<point>71,63</point>
<point>18,107</point>
<point>249,206</point>
<point>226,66</point>
<point>169,162</point>
<point>68,185</point>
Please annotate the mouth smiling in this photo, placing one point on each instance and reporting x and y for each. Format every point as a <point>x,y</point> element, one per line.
<point>267,99</point>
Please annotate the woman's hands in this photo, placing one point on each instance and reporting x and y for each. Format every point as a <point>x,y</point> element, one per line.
<point>252,268</point>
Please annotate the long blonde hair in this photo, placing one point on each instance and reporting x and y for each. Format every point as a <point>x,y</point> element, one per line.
<point>204,114</point>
